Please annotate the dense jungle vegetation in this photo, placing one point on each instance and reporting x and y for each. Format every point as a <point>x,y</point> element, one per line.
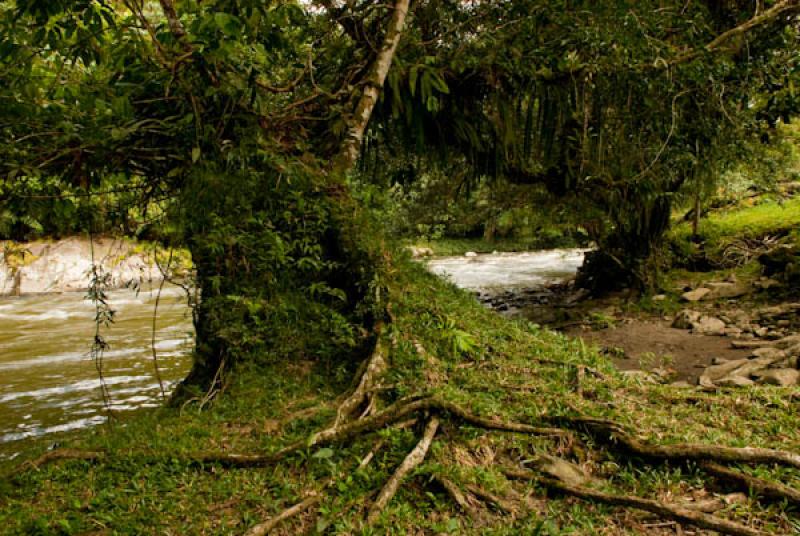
<point>292,147</point>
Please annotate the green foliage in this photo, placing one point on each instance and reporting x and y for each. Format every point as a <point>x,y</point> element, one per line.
<point>149,484</point>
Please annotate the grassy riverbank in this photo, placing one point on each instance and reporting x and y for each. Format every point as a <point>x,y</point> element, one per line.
<point>148,477</point>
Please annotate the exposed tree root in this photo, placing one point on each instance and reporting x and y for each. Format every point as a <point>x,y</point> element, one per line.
<point>759,486</point>
<point>667,511</point>
<point>373,369</point>
<point>458,496</point>
<point>299,508</point>
<point>610,432</point>
<point>57,455</point>
<point>494,500</point>
<point>411,462</point>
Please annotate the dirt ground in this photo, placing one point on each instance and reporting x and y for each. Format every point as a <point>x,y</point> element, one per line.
<point>649,344</point>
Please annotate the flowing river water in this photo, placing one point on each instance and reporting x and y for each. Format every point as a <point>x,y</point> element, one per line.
<point>499,272</point>
<point>48,381</point>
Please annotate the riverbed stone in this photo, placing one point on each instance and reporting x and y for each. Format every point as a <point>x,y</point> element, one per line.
<point>419,251</point>
<point>685,319</point>
<point>788,342</point>
<point>695,295</point>
<point>725,289</point>
<point>746,345</point>
<point>470,254</point>
<point>769,353</point>
<point>708,325</point>
<point>781,377</point>
<point>734,381</point>
<point>732,331</point>
<point>715,372</point>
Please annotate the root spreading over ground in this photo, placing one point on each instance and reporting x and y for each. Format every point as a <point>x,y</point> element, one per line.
<point>459,421</point>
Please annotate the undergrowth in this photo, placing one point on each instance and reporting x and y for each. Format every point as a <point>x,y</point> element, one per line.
<point>444,343</point>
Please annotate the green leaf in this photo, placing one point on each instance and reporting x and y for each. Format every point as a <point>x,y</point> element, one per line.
<point>323,454</point>
<point>196,153</point>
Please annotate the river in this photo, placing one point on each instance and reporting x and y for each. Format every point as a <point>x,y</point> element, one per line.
<point>49,383</point>
<point>497,272</point>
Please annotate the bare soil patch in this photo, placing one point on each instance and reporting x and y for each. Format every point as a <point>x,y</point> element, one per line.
<point>653,344</point>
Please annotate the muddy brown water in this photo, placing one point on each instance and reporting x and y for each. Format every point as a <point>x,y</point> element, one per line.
<point>49,383</point>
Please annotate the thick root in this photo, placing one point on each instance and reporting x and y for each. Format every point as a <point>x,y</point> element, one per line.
<point>667,511</point>
<point>412,461</point>
<point>760,487</point>
<point>498,502</point>
<point>373,369</point>
<point>610,432</point>
<point>458,496</point>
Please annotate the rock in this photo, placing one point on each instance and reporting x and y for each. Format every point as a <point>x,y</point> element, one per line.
<point>735,498</point>
<point>719,361</point>
<point>695,295</point>
<point>725,289</point>
<point>788,342</point>
<point>708,325</point>
<point>470,254</point>
<point>734,381</point>
<point>417,251</point>
<point>715,372</point>
<point>659,297</point>
<point>562,470</point>
<point>738,367</point>
<point>769,353</point>
<point>781,377</point>
<point>732,332</point>
<point>63,266</point>
<point>682,384</point>
<point>706,383</point>
<point>751,344</point>
<point>685,319</point>
<point>761,332</point>
<point>793,351</point>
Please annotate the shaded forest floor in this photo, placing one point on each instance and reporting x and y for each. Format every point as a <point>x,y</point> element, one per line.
<point>150,476</point>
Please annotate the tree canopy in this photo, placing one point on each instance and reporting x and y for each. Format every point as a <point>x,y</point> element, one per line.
<point>234,125</point>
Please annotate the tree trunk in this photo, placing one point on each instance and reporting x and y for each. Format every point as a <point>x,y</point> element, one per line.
<point>300,280</point>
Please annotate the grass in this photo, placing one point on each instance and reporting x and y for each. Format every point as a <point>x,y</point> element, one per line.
<point>471,356</point>
<point>721,228</point>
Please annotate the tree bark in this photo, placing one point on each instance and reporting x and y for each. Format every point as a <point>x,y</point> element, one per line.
<point>348,153</point>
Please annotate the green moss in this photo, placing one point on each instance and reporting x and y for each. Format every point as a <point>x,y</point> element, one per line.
<point>769,218</point>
